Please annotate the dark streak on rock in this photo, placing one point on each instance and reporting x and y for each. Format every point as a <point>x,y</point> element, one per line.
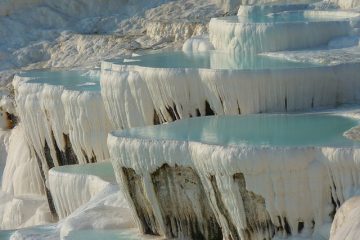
<point>66,157</point>
<point>88,159</point>
<point>12,120</point>
<point>257,218</point>
<point>198,114</point>
<point>239,109</point>
<point>172,113</point>
<point>156,119</point>
<point>48,157</point>
<point>300,226</point>
<point>208,110</point>
<point>47,191</point>
<point>181,195</point>
<point>223,210</point>
<point>312,102</point>
<point>70,156</point>
<point>287,226</point>
<point>335,206</point>
<point>141,203</point>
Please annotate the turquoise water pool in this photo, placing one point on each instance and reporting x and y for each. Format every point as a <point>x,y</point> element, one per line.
<point>35,232</point>
<point>103,170</point>
<point>70,79</point>
<point>258,130</point>
<point>209,60</point>
<point>92,234</point>
<point>5,234</point>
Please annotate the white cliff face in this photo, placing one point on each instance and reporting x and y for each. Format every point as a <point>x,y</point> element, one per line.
<point>168,94</point>
<point>254,192</point>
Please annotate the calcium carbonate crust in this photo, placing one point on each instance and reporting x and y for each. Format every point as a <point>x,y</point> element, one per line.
<point>233,192</point>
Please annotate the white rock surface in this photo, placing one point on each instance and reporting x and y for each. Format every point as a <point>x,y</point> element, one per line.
<point>346,224</point>
<point>85,198</point>
<point>346,4</point>
<point>197,44</point>
<point>71,189</point>
<point>4,145</point>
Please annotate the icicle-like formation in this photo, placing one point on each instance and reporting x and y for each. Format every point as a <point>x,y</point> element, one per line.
<point>61,126</point>
<point>88,125</point>
<point>237,192</point>
<point>22,196</point>
<point>73,186</point>
<point>21,174</point>
<point>150,96</point>
<point>127,100</point>
<point>248,38</point>
<point>136,96</point>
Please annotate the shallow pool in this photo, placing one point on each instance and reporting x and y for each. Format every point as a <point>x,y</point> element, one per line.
<point>103,170</point>
<point>259,129</point>
<point>209,60</point>
<point>93,234</point>
<point>70,79</point>
<point>6,234</point>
